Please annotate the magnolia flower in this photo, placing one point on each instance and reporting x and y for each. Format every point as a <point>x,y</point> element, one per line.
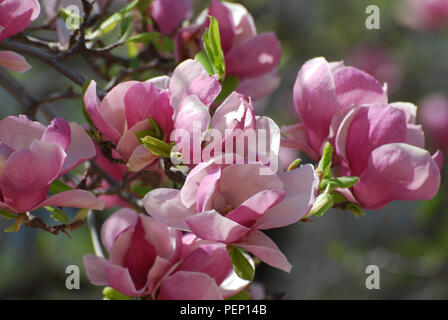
<point>382,145</point>
<point>149,259</point>
<point>321,90</point>
<point>434,116</point>
<point>126,108</point>
<point>33,156</point>
<point>15,16</point>
<point>423,14</point>
<point>252,58</point>
<point>231,204</point>
<point>375,141</point>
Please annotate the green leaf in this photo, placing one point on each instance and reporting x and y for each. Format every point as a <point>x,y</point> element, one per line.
<point>156,146</point>
<point>126,26</point>
<point>7,215</point>
<point>212,46</point>
<point>112,294</point>
<point>340,182</point>
<point>139,189</point>
<point>242,295</point>
<point>155,128</point>
<point>12,228</point>
<point>164,44</point>
<point>241,265</point>
<point>323,202</point>
<point>57,214</point>
<point>203,59</point>
<point>69,17</point>
<point>228,86</point>
<point>295,164</point>
<point>81,215</point>
<point>110,23</point>
<point>355,209</point>
<point>325,162</point>
<point>57,186</point>
<point>144,37</point>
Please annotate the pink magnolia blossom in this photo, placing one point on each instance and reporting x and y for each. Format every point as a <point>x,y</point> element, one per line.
<point>126,108</point>
<point>251,57</point>
<point>231,204</point>
<point>434,117</point>
<point>423,14</point>
<point>382,145</point>
<point>15,16</point>
<point>149,259</point>
<point>32,156</point>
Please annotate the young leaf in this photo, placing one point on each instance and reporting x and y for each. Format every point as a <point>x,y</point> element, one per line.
<point>241,265</point>
<point>144,37</point>
<point>110,23</point>
<point>156,146</point>
<point>81,215</point>
<point>340,182</point>
<point>112,294</point>
<point>295,164</point>
<point>228,86</point>
<point>212,46</point>
<point>57,214</point>
<point>242,295</point>
<point>355,209</point>
<point>57,186</point>
<point>7,215</point>
<point>203,59</point>
<point>323,202</point>
<point>325,162</point>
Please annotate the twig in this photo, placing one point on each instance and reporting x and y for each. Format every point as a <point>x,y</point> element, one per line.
<point>26,100</point>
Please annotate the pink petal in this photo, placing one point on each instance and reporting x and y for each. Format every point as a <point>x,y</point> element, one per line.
<point>438,158</point>
<point>355,87</point>
<point>256,206</point>
<point>255,57</point>
<point>58,133</point>
<point>244,25</point>
<point>210,225</point>
<point>184,285</point>
<point>265,249</point>
<point>158,271</point>
<point>397,171</point>
<point>141,158</point>
<point>14,61</point>
<point>96,269</point>
<point>207,188</point>
<point>300,186</point>
<point>18,131</point>
<point>205,88</point>
<point>81,148</point>
<point>164,204</point>
<point>415,136</point>
<point>297,138</point>
<point>128,142</point>
<point>408,108</point>
<point>23,186</point>
<point>16,15</point>
<point>259,87</point>
<point>116,224</point>
<point>92,104</point>
<point>120,279</point>
<point>75,199</point>
<point>169,14</point>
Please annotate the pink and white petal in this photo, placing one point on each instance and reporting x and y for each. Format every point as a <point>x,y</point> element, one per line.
<point>210,225</point>
<point>157,273</point>
<point>58,133</point>
<point>205,88</point>
<point>356,87</point>
<point>254,57</point>
<point>128,142</point>
<point>14,61</point>
<point>397,171</point>
<point>297,138</point>
<point>233,108</point>
<point>75,199</point>
<point>438,158</point>
<point>137,102</point>
<point>116,224</point>
<point>256,206</point>
<point>206,189</point>
<point>92,104</point>
<point>243,22</point>
<point>96,269</point>
<point>184,285</point>
<point>182,77</point>
<point>408,108</point>
<point>18,131</point>
<point>120,279</point>
<point>169,14</point>
<point>415,136</point>
<point>300,186</point>
<point>261,246</point>
<point>81,148</point>
<point>233,283</point>
<point>140,159</point>
<point>165,205</point>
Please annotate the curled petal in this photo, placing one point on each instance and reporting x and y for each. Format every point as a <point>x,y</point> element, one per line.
<point>75,199</point>
<point>116,224</point>
<point>18,131</point>
<point>14,61</point>
<point>96,269</point>
<point>58,133</point>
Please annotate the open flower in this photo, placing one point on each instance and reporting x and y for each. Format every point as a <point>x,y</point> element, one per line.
<point>33,156</point>
<point>231,204</point>
<point>149,259</point>
<point>15,16</point>
<point>252,58</point>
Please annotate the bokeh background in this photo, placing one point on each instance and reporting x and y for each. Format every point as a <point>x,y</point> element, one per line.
<point>407,241</point>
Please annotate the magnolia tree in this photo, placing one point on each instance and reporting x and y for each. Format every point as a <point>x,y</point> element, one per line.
<point>173,140</point>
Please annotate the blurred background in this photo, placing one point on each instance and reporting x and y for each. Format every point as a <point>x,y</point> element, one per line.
<point>407,241</point>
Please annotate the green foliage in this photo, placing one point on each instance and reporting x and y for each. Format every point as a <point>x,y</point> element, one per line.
<point>57,186</point>
<point>228,86</point>
<point>213,49</point>
<point>241,264</point>
<point>112,294</point>
<point>57,214</point>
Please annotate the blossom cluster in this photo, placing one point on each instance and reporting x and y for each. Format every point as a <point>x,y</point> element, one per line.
<point>196,232</point>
